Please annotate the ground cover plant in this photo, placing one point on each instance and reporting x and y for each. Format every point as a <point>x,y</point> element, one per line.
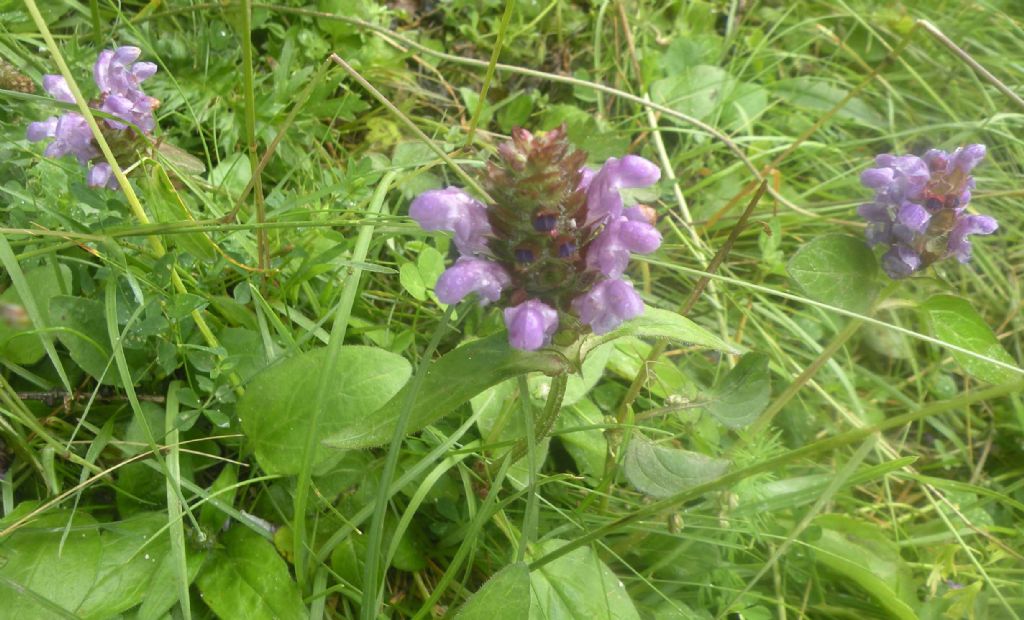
<point>472,309</point>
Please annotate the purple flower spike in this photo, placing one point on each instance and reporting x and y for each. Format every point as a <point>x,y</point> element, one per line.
<point>603,198</point>
<point>920,208</point>
<point>607,305</point>
<point>531,324</point>
<point>454,210</point>
<point>118,77</point>
<point>959,245</point>
<point>472,275</point>
<point>609,252</point>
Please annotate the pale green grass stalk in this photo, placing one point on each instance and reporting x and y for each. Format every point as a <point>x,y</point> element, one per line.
<point>338,330</point>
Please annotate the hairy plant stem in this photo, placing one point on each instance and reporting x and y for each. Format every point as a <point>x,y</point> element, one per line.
<point>545,420</point>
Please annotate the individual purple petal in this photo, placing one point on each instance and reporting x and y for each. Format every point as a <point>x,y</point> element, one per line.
<point>472,275</point>
<point>57,86</point>
<point>586,177</point>
<point>913,216</point>
<point>876,178</point>
<point>41,130</point>
<point>959,245</point>
<point>966,158</point>
<point>609,252</point>
<point>937,160</point>
<point>531,324</point>
<point>879,233</point>
<point>453,210</point>
<point>607,305</point>
<point>875,212</point>
<point>100,175</point>
<point>900,261</point>
<point>142,71</point>
<point>603,198</point>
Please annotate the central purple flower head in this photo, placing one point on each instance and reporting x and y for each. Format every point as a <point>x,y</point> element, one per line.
<point>555,242</point>
<point>118,77</point>
<point>920,206</point>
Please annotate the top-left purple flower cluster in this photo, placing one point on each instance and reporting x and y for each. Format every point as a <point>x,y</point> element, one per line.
<point>118,77</point>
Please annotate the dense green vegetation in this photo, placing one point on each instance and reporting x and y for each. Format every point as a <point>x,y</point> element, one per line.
<point>232,391</point>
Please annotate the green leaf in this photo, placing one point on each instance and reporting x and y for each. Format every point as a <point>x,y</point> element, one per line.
<point>170,207</point>
<point>954,320</point>
<point>276,407</point>
<point>183,304</point>
<point>248,580</point>
<point>658,323</point>
<point>863,554</point>
<point>838,270</point>
<point>660,472</point>
<point>132,553</point>
<point>577,586</point>
<point>34,557</point>
<point>85,336</point>
<point>505,596</point>
<point>708,92</point>
<point>589,448</point>
<point>26,348</point>
<point>743,393</point>
<point>449,382</point>
<point>411,280</point>
<point>817,94</point>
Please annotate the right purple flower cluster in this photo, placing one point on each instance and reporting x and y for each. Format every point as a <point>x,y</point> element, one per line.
<point>119,80</point>
<point>919,210</point>
<point>554,243</point>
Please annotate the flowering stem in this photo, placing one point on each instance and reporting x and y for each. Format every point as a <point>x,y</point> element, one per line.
<point>262,249</point>
<point>129,192</point>
<point>543,423</point>
<point>489,76</point>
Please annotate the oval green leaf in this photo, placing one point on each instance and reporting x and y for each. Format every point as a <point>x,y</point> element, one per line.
<point>277,406</point>
<point>577,586</point>
<point>248,580</point>
<point>954,320</point>
<point>662,472</point>
<point>449,382</point>
<point>506,596</point>
<point>838,270</point>
<point>658,323</point>
<point>744,392</point>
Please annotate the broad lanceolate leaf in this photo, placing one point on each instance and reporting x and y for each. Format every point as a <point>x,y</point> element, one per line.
<point>954,320</point>
<point>506,596</point>
<point>449,382</point>
<point>247,580</point>
<point>278,405</point>
<point>96,572</point>
<point>744,392</point>
<point>34,558</point>
<point>658,323</point>
<point>660,471</point>
<point>863,554</point>
<point>577,586</point>
<point>838,270</point>
<point>84,334</point>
